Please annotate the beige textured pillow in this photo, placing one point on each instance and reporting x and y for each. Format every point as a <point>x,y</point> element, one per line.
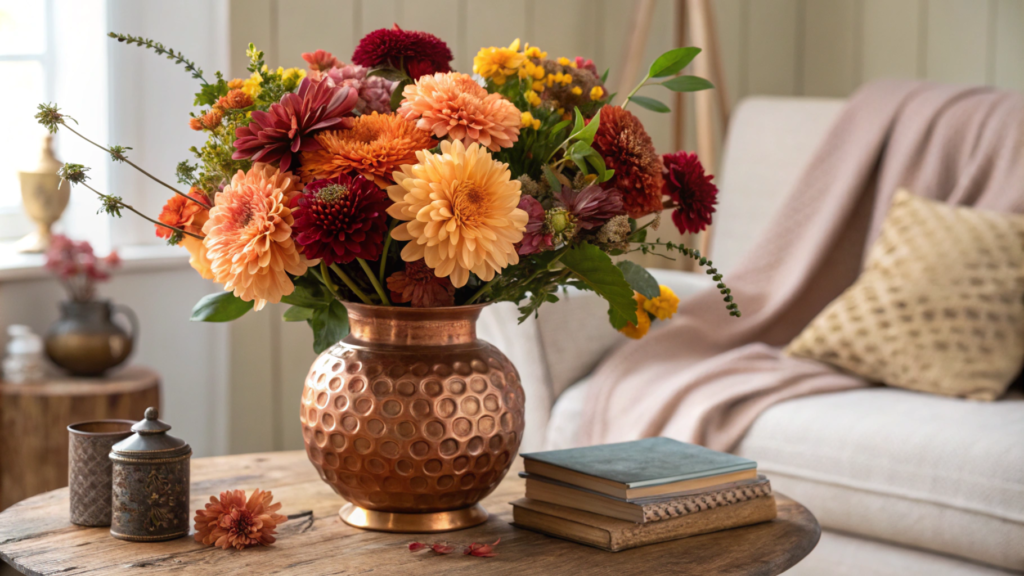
<point>939,306</point>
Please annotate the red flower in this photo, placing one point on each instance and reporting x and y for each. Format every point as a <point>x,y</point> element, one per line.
<point>341,219</point>
<point>694,194</point>
<point>534,238</point>
<point>419,286</point>
<point>287,128</point>
<point>627,149</point>
<point>233,521</point>
<point>482,550</point>
<point>320,61</point>
<point>588,64</point>
<point>420,53</point>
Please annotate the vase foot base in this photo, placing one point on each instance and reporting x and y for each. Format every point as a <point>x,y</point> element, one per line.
<point>412,523</point>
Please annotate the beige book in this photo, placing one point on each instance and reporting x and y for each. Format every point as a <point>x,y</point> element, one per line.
<point>646,509</point>
<point>613,534</point>
<point>623,491</point>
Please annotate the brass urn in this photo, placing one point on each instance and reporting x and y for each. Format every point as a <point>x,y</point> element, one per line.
<point>44,196</point>
<point>412,418</point>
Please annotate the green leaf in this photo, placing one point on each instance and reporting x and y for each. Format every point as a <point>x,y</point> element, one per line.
<point>604,77</point>
<point>640,279</point>
<point>304,297</point>
<point>586,133</point>
<point>597,162</point>
<point>220,307</point>
<point>578,123</point>
<point>650,104</point>
<point>687,84</point>
<point>329,326</point>
<point>298,314</point>
<point>396,96</point>
<point>560,126</point>
<point>672,62</point>
<point>591,265</point>
<point>552,179</point>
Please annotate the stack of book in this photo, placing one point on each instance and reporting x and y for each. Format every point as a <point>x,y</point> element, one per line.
<point>620,496</point>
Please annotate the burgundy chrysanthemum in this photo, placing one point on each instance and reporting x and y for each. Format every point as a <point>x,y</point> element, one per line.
<point>592,206</point>
<point>287,128</point>
<point>340,219</point>
<point>419,52</point>
<point>534,238</point>
<point>627,148</point>
<point>420,287</point>
<point>694,194</point>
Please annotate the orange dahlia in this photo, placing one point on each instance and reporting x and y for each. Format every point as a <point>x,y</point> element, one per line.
<point>461,213</point>
<point>183,213</point>
<point>249,235</point>
<point>374,147</point>
<point>627,149</point>
<point>233,521</point>
<point>454,105</point>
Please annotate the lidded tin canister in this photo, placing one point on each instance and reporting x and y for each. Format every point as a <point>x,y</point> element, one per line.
<point>151,483</point>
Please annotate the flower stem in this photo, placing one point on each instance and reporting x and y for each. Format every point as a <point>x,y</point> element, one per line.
<point>638,87</point>
<point>483,289</point>
<point>373,280</point>
<point>351,285</point>
<point>157,222</point>
<point>325,278</point>
<point>384,254</point>
<point>133,165</point>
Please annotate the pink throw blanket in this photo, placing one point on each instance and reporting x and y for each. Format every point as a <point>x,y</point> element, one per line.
<point>706,377</point>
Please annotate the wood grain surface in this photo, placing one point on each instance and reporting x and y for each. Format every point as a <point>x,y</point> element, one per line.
<point>34,420</point>
<point>36,537</point>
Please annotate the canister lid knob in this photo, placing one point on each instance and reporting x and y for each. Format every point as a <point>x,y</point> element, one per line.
<point>151,424</point>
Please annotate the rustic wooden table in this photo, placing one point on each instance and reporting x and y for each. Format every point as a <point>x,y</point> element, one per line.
<point>36,537</point>
<point>34,419</point>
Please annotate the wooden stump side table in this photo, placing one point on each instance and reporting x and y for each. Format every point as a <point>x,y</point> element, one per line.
<point>34,420</point>
<point>36,537</point>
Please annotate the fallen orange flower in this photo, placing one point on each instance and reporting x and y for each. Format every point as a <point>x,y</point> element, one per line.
<point>482,550</point>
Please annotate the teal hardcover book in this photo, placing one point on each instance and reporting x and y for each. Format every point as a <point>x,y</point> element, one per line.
<point>641,463</point>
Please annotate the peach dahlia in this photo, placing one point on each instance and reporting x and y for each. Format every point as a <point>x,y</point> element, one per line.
<point>460,212</point>
<point>248,236</point>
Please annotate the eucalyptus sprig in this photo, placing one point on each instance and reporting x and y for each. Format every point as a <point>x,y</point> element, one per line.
<point>160,49</point>
<point>668,64</point>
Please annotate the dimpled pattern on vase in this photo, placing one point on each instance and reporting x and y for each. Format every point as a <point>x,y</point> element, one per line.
<point>423,431</point>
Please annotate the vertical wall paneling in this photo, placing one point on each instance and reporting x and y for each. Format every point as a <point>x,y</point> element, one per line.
<point>730,18</point>
<point>957,39</point>
<point>493,23</point>
<point>294,359</point>
<point>830,47</point>
<point>381,14</point>
<point>890,42</point>
<point>441,18</point>
<point>772,46</point>
<point>1009,44</point>
<point>251,383</point>
<point>324,25</point>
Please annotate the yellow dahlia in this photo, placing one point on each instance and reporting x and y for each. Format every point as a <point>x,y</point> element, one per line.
<point>453,104</point>
<point>248,236</point>
<point>664,306</point>
<point>496,64</point>
<point>461,213</point>
<point>374,147</point>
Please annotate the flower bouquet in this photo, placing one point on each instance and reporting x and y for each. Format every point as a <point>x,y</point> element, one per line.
<point>388,200</point>
<point>396,181</point>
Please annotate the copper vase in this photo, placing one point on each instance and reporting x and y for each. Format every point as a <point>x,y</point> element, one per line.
<point>412,418</point>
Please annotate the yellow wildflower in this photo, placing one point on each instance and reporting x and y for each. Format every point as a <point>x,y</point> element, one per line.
<point>252,85</point>
<point>534,52</point>
<point>577,90</point>
<point>566,62</point>
<point>528,121</point>
<point>291,77</point>
<point>596,93</point>
<point>533,71</point>
<point>639,329</point>
<point>496,64</point>
<point>538,86</point>
<point>665,305</point>
<point>561,111</point>
<point>532,98</point>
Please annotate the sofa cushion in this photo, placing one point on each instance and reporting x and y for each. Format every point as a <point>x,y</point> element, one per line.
<point>938,473</point>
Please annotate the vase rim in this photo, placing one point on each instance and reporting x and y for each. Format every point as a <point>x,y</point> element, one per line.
<point>410,310</point>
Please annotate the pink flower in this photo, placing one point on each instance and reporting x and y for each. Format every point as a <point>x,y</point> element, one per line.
<point>534,238</point>
<point>482,550</point>
<point>320,61</point>
<point>374,92</point>
<point>581,64</point>
<point>592,206</point>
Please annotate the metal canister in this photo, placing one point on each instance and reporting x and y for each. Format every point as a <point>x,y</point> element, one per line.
<point>151,483</point>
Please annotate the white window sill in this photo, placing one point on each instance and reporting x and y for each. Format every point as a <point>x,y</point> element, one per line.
<point>15,266</point>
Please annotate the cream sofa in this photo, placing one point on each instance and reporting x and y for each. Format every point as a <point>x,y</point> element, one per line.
<point>902,483</point>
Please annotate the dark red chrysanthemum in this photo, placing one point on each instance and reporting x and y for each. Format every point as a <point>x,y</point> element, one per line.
<point>419,52</point>
<point>627,148</point>
<point>535,239</point>
<point>419,286</point>
<point>694,194</point>
<point>592,206</point>
<point>340,219</point>
<point>287,128</point>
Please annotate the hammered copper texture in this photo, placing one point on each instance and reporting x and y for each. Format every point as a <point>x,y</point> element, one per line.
<point>412,428</point>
